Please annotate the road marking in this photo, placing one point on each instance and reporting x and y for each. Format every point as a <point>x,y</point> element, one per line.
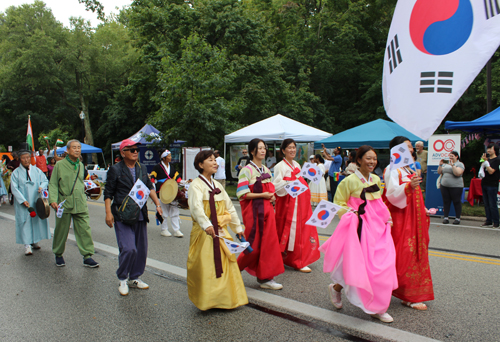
<point>465,258</point>
<point>362,326</point>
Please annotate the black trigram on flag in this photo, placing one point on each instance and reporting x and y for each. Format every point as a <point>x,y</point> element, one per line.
<point>492,8</point>
<point>394,54</point>
<point>429,83</point>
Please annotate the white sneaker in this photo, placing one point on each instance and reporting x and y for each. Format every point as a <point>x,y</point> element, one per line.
<point>123,288</point>
<point>271,285</point>
<point>335,297</point>
<point>305,269</point>
<point>178,234</point>
<point>27,250</point>
<point>385,317</point>
<point>139,284</point>
<point>165,233</point>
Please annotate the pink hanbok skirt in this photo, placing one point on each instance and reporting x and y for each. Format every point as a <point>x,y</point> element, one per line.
<point>366,268</point>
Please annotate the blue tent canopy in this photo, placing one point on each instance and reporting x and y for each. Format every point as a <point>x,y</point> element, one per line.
<point>85,149</point>
<point>489,123</point>
<point>378,134</point>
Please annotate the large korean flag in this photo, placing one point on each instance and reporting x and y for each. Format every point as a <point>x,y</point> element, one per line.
<point>434,51</point>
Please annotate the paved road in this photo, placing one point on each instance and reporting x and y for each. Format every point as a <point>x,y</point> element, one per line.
<point>43,302</point>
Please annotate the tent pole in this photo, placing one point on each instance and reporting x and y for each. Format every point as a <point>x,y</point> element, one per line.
<point>103,159</point>
<point>112,159</point>
<point>225,156</point>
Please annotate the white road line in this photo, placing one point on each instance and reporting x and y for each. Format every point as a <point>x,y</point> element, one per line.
<point>459,225</point>
<point>352,323</point>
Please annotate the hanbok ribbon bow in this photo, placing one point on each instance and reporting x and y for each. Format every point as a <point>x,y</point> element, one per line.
<point>293,176</point>
<point>258,209</point>
<point>361,209</point>
<point>213,217</point>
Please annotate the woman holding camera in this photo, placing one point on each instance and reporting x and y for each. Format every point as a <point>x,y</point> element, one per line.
<point>452,185</point>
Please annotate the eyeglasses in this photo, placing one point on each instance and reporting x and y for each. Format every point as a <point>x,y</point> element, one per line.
<point>244,152</point>
<point>132,150</point>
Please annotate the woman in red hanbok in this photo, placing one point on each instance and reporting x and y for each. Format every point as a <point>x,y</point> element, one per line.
<point>298,241</point>
<point>410,233</point>
<point>256,192</point>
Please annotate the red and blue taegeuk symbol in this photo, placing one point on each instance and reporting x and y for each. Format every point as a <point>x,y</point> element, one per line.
<point>397,158</point>
<point>323,215</point>
<point>45,193</point>
<point>139,194</point>
<point>441,27</point>
<point>311,172</point>
<point>233,245</point>
<point>295,188</point>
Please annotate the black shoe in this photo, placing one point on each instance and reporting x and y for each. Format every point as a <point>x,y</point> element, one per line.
<point>60,261</point>
<point>495,225</point>
<point>446,221</point>
<point>486,224</point>
<point>90,263</point>
<point>456,221</point>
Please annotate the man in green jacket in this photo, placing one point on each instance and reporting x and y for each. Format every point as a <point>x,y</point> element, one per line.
<point>66,184</point>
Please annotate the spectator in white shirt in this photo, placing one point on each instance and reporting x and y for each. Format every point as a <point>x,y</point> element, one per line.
<point>220,175</point>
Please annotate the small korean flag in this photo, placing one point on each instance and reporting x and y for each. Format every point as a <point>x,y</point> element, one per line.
<point>400,156</point>
<point>235,247</point>
<point>45,193</point>
<point>311,172</point>
<point>139,193</point>
<point>89,184</point>
<point>323,214</point>
<point>295,188</point>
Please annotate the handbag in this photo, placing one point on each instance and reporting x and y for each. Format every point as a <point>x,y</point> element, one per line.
<point>438,182</point>
<point>129,211</point>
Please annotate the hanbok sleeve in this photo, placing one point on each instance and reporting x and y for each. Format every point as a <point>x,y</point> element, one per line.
<point>279,182</point>
<point>195,201</point>
<point>235,223</point>
<point>396,193</point>
<point>14,182</point>
<point>243,183</point>
<point>342,196</point>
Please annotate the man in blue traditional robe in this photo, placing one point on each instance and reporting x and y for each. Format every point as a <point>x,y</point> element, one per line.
<point>27,182</point>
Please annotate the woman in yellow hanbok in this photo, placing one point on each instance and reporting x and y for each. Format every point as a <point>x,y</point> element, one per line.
<point>213,276</point>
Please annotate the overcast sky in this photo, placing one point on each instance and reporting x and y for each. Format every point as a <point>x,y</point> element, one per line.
<point>64,9</point>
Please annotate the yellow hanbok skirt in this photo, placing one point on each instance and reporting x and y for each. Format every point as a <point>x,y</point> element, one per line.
<point>204,289</point>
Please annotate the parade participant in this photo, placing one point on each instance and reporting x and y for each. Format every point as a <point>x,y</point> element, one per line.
<point>318,191</point>
<point>256,192</point>
<point>161,173</point>
<point>213,277</point>
<point>298,241</point>
<point>360,254</point>
<point>4,174</point>
<point>132,239</point>
<point>66,184</point>
<point>220,175</point>
<point>41,162</point>
<point>26,183</point>
<point>410,233</point>
<point>335,167</point>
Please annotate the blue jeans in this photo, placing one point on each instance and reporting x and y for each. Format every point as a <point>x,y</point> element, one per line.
<point>490,203</point>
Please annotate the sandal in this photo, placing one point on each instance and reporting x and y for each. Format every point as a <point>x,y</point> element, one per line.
<point>417,306</point>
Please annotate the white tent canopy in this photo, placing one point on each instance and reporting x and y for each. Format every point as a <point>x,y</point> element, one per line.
<point>276,129</point>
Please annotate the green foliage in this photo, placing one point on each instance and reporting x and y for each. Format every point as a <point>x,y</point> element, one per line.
<point>52,136</point>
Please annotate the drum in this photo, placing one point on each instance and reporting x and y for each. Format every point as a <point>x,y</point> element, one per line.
<point>42,208</point>
<point>93,189</point>
<point>168,191</point>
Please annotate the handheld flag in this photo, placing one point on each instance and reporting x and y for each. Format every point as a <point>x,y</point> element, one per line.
<point>45,193</point>
<point>295,188</point>
<point>311,172</point>
<point>59,142</point>
<point>434,51</point>
<point>139,193</point>
<point>400,156</point>
<point>323,214</point>
<point>235,247</point>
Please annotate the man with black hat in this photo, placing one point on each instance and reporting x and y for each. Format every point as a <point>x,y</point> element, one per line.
<point>27,182</point>
<point>132,237</point>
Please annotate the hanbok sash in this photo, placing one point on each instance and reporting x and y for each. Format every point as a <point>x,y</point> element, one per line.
<point>213,217</point>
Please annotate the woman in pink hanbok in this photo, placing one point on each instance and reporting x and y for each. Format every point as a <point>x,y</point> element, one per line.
<point>360,254</point>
